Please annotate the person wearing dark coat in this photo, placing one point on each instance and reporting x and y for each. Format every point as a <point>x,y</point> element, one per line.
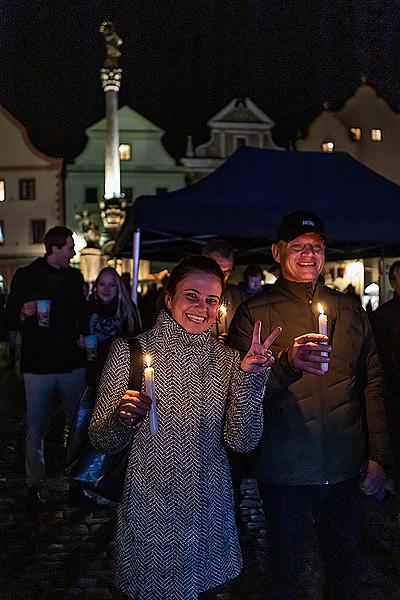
<point>385,322</point>
<point>325,431</point>
<point>53,364</point>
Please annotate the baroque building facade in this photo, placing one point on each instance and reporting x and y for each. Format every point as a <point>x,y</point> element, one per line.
<point>239,123</point>
<point>31,197</point>
<point>146,168</point>
<point>365,127</point>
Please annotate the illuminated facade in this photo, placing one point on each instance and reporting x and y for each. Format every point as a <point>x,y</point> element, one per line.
<point>365,127</point>
<point>31,199</point>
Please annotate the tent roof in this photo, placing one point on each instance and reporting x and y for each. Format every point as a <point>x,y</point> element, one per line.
<point>246,197</point>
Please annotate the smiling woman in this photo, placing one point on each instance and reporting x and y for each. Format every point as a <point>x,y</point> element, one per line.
<point>195,299</point>
<point>176,533</point>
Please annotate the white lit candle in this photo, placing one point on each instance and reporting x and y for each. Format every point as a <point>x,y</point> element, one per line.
<point>323,329</point>
<point>149,380</point>
<point>223,318</point>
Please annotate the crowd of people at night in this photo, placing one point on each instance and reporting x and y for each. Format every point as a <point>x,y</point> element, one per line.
<point>291,382</point>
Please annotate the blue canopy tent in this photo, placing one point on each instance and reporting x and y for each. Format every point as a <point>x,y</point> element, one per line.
<point>246,197</point>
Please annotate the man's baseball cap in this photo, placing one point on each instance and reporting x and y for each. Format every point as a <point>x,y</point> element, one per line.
<point>298,223</point>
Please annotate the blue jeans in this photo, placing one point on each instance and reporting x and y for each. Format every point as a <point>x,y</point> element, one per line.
<point>337,513</point>
<point>40,391</point>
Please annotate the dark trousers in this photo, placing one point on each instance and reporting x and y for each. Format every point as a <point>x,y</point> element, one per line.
<point>337,513</point>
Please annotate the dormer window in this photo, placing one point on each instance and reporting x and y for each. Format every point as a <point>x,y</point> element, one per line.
<point>241,141</point>
<point>328,146</point>
<point>355,134</point>
<point>376,135</point>
<point>125,152</point>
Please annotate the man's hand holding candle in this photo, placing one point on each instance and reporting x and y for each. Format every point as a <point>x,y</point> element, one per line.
<point>308,352</point>
<point>259,357</point>
<point>133,406</point>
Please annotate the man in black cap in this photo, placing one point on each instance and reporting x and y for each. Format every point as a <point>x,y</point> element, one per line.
<point>325,433</point>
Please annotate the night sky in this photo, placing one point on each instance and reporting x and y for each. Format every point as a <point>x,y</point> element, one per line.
<point>183,60</point>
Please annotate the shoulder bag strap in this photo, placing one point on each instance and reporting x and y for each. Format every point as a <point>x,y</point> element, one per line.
<point>136,364</point>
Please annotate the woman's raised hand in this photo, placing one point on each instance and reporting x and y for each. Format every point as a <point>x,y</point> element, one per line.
<point>133,406</point>
<point>259,357</point>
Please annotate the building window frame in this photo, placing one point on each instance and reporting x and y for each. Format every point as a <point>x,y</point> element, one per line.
<point>3,192</point>
<point>355,134</point>
<point>328,147</point>
<point>27,189</point>
<point>376,134</point>
<point>160,190</point>
<point>125,151</point>
<point>91,191</point>
<point>35,237</point>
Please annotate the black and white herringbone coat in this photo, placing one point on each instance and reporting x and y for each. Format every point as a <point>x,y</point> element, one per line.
<point>176,526</point>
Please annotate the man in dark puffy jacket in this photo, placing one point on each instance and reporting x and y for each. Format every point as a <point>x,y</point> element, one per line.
<point>325,434</point>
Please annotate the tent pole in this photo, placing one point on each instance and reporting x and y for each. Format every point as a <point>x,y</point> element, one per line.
<point>136,258</point>
<point>382,278</point>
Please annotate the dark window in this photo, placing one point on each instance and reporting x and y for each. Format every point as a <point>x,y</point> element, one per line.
<point>27,189</point>
<point>91,195</point>
<point>2,234</point>
<point>128,194</point>
<point>161,190</point>
<point>241,141</point>
<point>38,229</point>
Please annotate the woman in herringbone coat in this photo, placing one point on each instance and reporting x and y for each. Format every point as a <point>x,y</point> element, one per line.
<point>176,525</point>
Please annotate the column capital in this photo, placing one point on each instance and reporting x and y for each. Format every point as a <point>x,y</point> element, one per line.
<point>111,79</point>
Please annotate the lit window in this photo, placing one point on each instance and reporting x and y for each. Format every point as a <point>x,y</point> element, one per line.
<point>376,135</point>
<point>38,229</point>
<point>355,134</point>
<point>2,190</point>
<point>27,189</point>
<point>125,152</point>
<point>328,147</point>
<point>2,236</point>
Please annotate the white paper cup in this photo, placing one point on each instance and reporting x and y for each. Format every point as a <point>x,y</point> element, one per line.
<point>91,347</point>
<point>43,312</point>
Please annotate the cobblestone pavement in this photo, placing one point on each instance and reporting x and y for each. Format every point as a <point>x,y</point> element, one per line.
<point>67,551</point>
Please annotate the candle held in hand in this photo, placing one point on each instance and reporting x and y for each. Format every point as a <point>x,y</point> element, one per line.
<point>149,380</point>
<point>323,329</point>
<point>223,318</point>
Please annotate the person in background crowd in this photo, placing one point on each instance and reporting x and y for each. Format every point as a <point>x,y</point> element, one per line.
<point>325,430</point>
<point>385,322</point>
<point>86,290</point>
<point>176,531</point>
<point>111,314</point>
<point>253,279</point>
<point>126,281</point>
<point>51,361</point>
<point>223,253</point>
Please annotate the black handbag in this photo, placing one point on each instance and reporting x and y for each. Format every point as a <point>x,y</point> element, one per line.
<point>103,474</point>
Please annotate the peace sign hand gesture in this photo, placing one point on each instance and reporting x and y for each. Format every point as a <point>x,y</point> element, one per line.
<point>259,357</point>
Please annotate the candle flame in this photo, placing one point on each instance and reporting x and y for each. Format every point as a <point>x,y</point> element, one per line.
<point>223,310</point>
<point>148,360</point>
<point>320,308</point>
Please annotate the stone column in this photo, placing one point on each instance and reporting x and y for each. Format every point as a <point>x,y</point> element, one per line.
<point>113,204</point>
